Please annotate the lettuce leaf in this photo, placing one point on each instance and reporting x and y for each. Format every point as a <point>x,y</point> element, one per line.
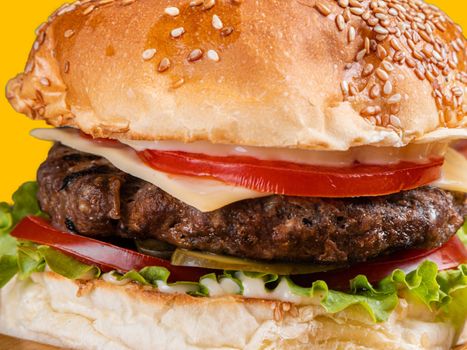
<point>67,266</point>
<point>8,269</point>
<point>25,202</point>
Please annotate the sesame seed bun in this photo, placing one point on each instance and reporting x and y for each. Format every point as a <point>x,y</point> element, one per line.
<point>302,74</point>
<point>99,315</point>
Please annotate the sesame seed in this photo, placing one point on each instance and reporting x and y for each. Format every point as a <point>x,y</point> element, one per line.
<point>208,4</point>
<point>419,74</point>
<point>457,91</point>
<point>437,56</point>
<point>345,87</point>
<point>351,34</point>
<point>381,30</point>
<point>395,108</point>
<point>45,81</point>
<point>172,11</point>
<point>373,21</point>
<point>177,32</point>
<point>370,111</point>
<point>368,69</point>
<point>340,22</point>
<point>358,11</point>
<point>399,56</point>
<point>347,14</point>
<point>366,15</point>
<point>430,77</point>
<point>226,31</point>
<point>66,67</point>
<point>368,45</point>
<point>381,52</point>
<point>387,89</point>
<point>213,55</point>
<point>388,66</point>
<point>355,3</point>
<point>195,3</point>
<point>40,28</point>
<point>216,22</point>
<point>323,9</point>
<point>343,3</point>
<point>396,45</point>
<point>361,55</point>
<point>195,55</point>
<point>395,121</point>
<point>69,33</point>
<point>410,62</point>
<point>127,2</point>
<point>375,91</point>
<point>178,83</point>
<point>66,9</point>
<point>88,10</point>
<point>29,67</point>
<point>382,75</point>
<point>164,65</point>
<point>148,54</point>
<point>381,16</point>
<point>395,99</point>
<point>381,37</point>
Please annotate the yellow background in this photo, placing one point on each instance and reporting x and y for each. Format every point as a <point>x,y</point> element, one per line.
<point>20,154</point>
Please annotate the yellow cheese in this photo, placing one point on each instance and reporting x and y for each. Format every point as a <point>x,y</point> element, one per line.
<point>454,174</point>
<point>203,194</point>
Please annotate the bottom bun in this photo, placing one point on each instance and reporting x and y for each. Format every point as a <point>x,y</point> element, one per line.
<point>98,315</point>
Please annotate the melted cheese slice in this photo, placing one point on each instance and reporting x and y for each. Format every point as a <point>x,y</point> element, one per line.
<point>203,194</point>
<point>454,173</point>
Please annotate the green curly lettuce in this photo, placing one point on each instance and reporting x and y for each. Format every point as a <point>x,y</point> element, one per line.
<point>443,292</point>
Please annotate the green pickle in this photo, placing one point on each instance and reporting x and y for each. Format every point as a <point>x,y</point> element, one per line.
<point>183,257</point>
<point>155,248</point>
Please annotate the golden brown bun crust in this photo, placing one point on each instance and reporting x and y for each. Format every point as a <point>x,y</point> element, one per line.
<point>97,315</point>
<point>320,74</point>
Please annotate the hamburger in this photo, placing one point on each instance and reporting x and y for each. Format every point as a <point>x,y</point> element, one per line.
<point>239,174</point>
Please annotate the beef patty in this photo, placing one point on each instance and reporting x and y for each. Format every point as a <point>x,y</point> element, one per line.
<point>88,195</point>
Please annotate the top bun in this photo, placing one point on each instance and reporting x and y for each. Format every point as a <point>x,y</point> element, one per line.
<point>310,74</point>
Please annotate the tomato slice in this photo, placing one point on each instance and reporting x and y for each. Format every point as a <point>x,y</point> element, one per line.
<point>293,179</point>
<point>447,257</point>
<point>106,256</point>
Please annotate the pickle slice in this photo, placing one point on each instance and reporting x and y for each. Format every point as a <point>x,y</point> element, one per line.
<point>155,248</point>
<point>183,257</point>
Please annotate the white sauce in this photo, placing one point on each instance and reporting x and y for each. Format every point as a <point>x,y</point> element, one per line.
<point>175,288</point>
<point>225,286</point>
<point>252,288</point>
<point>416,153</point>
<point>110,278</point>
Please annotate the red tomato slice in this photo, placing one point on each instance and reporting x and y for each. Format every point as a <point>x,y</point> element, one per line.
<point>447,257</point>
<point>106,256</point>
<point>297,179</point>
